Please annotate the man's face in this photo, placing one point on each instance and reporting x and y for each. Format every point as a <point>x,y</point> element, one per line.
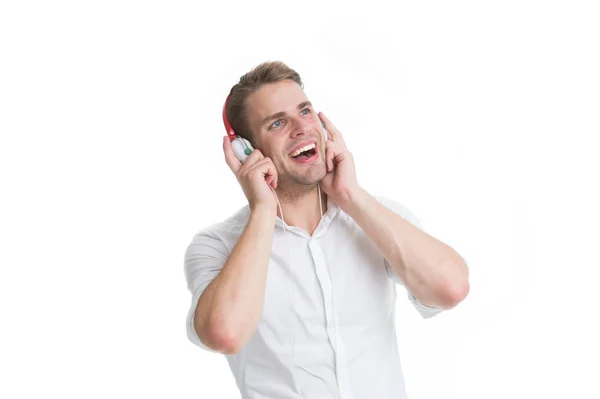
<point>282,120</point>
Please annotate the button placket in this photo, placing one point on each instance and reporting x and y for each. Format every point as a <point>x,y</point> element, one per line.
<point>339,350</point>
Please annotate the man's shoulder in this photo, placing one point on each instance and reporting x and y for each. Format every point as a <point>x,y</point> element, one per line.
<point>237,220</point>
<point>388,202</point>
<point>398,208</point>
<point>391,204</point>
<point>226,231</point>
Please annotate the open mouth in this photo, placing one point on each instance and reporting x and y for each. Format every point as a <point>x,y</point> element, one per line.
<point>305,154</point>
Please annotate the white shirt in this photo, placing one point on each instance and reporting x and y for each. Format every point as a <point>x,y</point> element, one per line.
<point>327,328</point>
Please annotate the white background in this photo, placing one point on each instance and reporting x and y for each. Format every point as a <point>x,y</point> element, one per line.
<point>481,117</point>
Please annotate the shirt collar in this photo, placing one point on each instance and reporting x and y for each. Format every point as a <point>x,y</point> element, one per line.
<point>328,217</point>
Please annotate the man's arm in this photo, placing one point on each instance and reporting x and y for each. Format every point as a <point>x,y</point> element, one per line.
<point>431,270</point>
<point>229,309</point>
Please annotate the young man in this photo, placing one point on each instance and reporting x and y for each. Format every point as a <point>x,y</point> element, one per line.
<point>297,288</point>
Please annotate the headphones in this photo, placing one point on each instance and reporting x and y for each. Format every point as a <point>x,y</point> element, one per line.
<point>242,147</point>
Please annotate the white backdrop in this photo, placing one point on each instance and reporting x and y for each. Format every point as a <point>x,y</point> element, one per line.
<point>480,117</point>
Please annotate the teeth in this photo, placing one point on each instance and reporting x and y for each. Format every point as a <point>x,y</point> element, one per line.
<point>306,148</point>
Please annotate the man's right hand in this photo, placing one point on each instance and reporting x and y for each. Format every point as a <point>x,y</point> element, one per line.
<point>256,176</point>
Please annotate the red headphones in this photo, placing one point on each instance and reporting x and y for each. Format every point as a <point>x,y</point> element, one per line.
<point>226,122</point>
<point>241,147</point>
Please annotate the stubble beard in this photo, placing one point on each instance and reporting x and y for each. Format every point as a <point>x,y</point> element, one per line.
<point>294,185</point>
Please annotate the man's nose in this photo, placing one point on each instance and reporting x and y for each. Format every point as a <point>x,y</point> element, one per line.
<point>299,126</point>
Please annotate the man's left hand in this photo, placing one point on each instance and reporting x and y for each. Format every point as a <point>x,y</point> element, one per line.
<point>340,181</point>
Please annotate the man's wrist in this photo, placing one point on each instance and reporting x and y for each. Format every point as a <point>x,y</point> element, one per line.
<point>356,201</point>
<point>263,212</point>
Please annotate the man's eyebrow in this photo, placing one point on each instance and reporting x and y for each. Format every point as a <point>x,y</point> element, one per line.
<point>304,104</point>
<point>271,117</point>
<point>280,114</point>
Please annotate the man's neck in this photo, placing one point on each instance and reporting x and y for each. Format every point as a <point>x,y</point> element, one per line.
<point>302,210</point>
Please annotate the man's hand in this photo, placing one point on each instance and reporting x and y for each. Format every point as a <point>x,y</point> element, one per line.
<point>256,176</point>
<point>340,181</point>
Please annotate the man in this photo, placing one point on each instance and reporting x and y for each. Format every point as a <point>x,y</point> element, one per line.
<point>303,305</point>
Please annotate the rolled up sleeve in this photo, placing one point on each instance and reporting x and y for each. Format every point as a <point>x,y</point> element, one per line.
<point>399,209</point>
<point>204,259</point>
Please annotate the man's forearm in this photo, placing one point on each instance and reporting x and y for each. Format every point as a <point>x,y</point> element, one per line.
<point>431,270</point>
<point>231,306</point>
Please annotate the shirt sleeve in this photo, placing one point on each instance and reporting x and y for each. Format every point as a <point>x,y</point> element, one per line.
<point>204,259</point>
<point>424,310</point>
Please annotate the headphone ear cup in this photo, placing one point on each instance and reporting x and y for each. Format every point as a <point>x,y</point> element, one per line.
<point>241,148</point>
<point>324,130</point>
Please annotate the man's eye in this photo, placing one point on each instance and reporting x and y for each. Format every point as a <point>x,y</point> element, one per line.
<point>277,123</point>
<point>307,111</point>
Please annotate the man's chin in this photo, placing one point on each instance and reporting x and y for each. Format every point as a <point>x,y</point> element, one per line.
<point>312,179</point>
<point>304,172</point>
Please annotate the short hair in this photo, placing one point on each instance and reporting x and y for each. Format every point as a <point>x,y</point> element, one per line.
<point>265,73</point>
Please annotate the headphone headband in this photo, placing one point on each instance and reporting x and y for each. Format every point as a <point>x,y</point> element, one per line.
<point>226,122</point>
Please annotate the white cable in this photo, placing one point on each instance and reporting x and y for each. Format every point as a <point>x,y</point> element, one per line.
<point>320,200</point>
<point>293,294</point>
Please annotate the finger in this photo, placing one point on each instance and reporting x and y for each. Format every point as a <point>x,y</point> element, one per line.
<point>333,133</point>
<point>272,181</point>
<point>266,167</point>
<point>253,158</point>
<point>271,172</point>
<point>331,153</point>
<point>269,179</point>
<point>276,179</point>
<point>233,163</point>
